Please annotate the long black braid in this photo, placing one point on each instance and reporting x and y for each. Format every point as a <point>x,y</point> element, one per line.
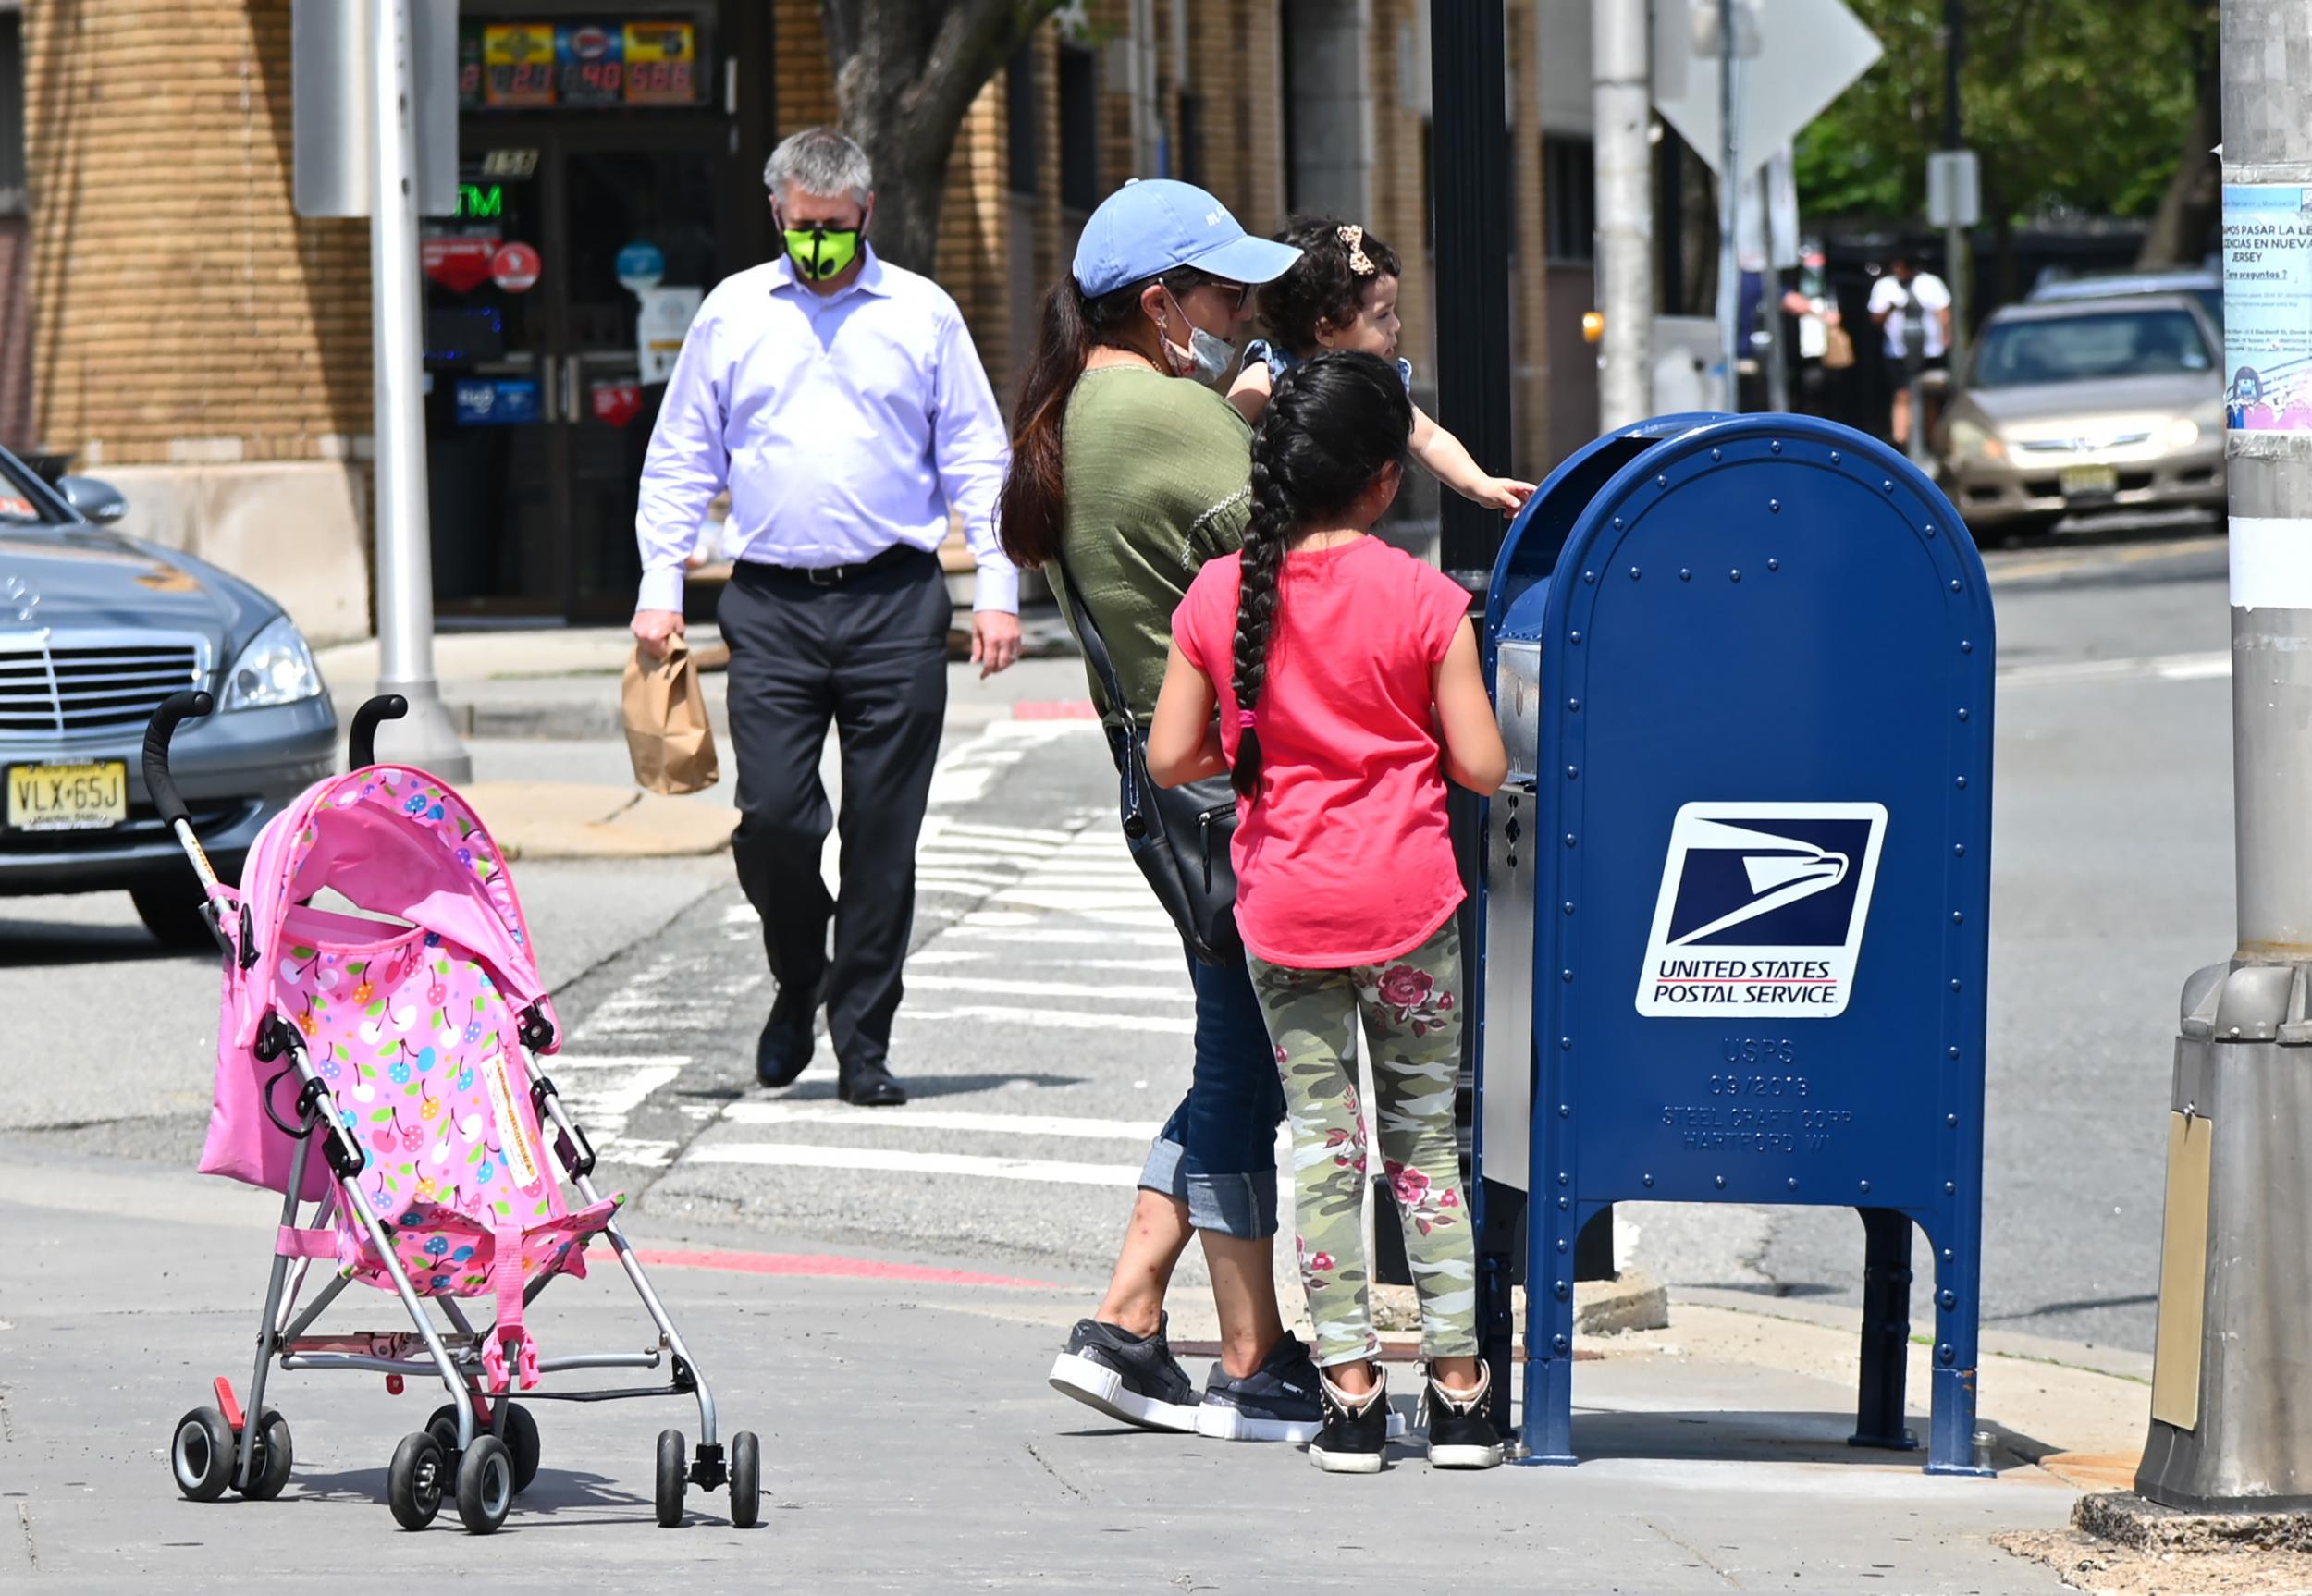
<point>1333,425</point>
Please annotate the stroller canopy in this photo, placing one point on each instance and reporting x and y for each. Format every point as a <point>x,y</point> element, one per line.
<point>397,842</point>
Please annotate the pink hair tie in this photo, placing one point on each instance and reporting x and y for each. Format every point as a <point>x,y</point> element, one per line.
<point>1245,721</point>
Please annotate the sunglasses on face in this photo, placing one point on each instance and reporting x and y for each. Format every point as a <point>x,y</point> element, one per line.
<point>1235,295</point>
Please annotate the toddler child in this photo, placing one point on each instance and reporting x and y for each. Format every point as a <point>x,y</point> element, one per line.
<point>1341,294</point>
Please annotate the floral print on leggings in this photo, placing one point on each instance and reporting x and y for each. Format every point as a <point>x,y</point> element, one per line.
<point>1412,1013</point>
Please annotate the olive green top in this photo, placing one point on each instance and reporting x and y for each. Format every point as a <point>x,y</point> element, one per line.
<point>1159,480</point>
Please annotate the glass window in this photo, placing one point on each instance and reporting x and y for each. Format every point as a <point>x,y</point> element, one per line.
<point>1023,119</point>
<point>1080,128</point>
<point>12,112</point>
<point>1570,198</point>
<point>2090,349</point>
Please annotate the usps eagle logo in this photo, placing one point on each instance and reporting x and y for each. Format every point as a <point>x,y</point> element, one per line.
<point>1762,910</point>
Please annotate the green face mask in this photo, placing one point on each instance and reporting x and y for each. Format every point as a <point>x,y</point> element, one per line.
<point>822,253</point>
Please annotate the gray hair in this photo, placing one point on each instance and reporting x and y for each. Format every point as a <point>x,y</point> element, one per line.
<point>821,162</point>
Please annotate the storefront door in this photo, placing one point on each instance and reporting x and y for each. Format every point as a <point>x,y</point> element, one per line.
<point>555,301</point>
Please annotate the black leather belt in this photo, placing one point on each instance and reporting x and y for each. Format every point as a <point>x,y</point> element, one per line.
<point>835,575</point>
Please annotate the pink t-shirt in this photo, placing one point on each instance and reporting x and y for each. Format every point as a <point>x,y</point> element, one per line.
<point>1346,857</point>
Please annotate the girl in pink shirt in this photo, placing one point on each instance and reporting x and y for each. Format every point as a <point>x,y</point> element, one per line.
<point>1345,678</point>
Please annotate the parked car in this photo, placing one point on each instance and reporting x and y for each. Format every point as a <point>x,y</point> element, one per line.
<point>95,630</point>
<point>2087,405</point>
<point>2204,284</point>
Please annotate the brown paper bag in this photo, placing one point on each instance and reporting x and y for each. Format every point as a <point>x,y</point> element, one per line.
<point>668,734</point>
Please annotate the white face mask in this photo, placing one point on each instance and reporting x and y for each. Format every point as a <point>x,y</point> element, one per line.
<point>1208,358</point>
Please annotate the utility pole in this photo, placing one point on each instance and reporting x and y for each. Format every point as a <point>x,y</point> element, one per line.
<point>1958,259</point>
<point>405,554</point>
<point>1623,102</point>
<point>2231,1429</point>
<point>1730,210</point>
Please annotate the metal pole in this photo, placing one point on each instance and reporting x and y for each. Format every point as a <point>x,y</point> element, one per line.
<point>1770,295</point>
<point>1622,101</point>
<point>2230,1430</point>
<point>1730,214</point>
<point>405,557</point>
<point>1469,176</point>
<point>1958,258</point>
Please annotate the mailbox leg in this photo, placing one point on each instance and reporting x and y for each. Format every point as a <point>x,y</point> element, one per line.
<point>1951,1432</point>
<point>1878,1412</point>
<point>1548,1428</point>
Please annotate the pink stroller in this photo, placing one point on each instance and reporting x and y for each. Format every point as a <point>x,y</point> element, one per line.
<point>407,1044</point>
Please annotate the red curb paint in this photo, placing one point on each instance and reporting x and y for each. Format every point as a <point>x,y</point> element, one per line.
<point>827,1266</point>
<point>1061,709</point>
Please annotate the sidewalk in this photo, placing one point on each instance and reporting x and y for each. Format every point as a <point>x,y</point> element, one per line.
<point>910,1443</point>
<point>541,687</point>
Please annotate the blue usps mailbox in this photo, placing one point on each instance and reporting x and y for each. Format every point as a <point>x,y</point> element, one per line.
<point>1737,893</point>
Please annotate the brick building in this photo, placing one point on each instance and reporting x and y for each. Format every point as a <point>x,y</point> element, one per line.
<point>169,321</point>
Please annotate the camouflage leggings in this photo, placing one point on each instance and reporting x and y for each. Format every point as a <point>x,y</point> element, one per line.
<point>1412,1013</point>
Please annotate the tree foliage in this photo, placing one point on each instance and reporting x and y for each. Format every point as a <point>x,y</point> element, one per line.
<point>2076,107</point>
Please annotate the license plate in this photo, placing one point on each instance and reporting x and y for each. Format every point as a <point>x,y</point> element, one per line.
<point>2086,481</point>
<point>67,797</point>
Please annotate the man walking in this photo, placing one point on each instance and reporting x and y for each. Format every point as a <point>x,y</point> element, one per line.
<point>1913,307</point>
<point>840,401</point>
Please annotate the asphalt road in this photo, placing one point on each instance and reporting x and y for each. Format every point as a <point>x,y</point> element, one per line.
<point>1046,1028</point>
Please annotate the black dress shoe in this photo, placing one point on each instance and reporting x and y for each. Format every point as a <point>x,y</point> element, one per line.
<point>871,1087</point>
<point>783,1051</point>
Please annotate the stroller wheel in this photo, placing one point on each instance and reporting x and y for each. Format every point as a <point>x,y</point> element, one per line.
<point>521,1440</point>
<point>202,1456</point>
<point>413,1483</point>
<point>670,1478</point>
<point>486,1485</point>
<point>747,1485</point>
<point>274,1458</point>
<point>442,1425</point>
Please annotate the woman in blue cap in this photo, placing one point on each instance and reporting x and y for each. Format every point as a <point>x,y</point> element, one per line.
<point>1130,469</point>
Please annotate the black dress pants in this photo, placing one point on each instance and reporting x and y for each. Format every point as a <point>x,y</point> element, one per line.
<point>870,654</point>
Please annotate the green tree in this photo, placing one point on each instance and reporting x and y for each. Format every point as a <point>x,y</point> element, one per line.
<point>2076,107</point>
<point>905,73</point>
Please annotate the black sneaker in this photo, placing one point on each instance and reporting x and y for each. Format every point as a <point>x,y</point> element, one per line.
<point>1461,1432</point>
<point>1132,1378</point>
<point>1356,1428</point>
<point>1277,1401</point>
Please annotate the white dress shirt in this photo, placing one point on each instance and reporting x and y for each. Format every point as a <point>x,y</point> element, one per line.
<point>842,424</point>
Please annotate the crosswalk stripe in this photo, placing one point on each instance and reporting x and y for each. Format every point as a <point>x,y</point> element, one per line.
<point>811,1155</point>
<point>751,1113</point>
<point>1054,1019</point>
<point>996,985</point>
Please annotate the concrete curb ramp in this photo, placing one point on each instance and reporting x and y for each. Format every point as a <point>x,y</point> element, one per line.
<point>575,820</point>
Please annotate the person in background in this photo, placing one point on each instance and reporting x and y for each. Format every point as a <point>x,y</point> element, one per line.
<point>1904,300</point>
<point>1342,295</point>
<point>1129,471</point>
<point>840,402</point>
<point>1345,675</point>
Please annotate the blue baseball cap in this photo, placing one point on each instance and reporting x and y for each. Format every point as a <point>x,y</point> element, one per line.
<point>1146,229</point>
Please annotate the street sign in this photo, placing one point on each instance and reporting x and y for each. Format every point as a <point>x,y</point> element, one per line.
<point>1808,51</point>
<point>1735,890</point>
<point>1954,190</point>
<point>330,110</point>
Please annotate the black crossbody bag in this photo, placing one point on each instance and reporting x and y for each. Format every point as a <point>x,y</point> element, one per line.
<point>1179,835</point>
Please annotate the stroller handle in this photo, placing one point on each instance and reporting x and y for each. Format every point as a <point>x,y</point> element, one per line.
<point>175,708</point>
<point>384,707</point>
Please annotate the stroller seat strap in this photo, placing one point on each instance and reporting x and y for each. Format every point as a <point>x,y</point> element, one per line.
<point>290,1241</point>
<point>506,1285</point>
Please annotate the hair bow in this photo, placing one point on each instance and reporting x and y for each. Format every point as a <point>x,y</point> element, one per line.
<point>1353,238</point>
